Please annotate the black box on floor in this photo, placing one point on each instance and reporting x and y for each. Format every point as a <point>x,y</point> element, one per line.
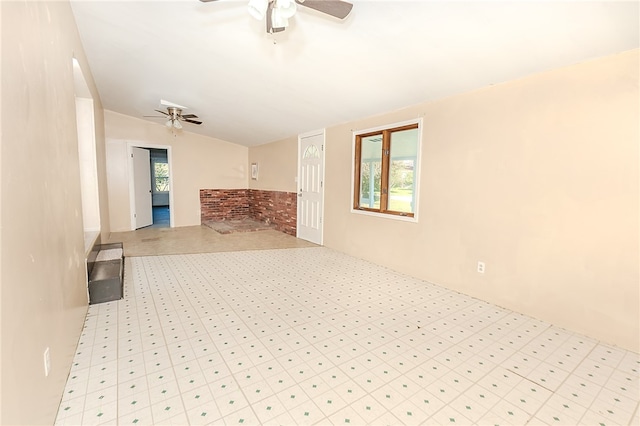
<point>106,277</point>
<point>105,284</point>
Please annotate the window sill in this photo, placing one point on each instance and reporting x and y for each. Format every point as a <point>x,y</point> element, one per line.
<point>90,238</point>
<point>400,218</point>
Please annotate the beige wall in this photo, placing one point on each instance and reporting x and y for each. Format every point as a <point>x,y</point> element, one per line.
<point>277,163</point>
<point>43,281</point>
<point>538,178</point>
<point>197,162</point>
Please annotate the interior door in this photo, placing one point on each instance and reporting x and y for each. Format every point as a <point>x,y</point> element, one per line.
<point>310,186</point>
<point>143,212</point>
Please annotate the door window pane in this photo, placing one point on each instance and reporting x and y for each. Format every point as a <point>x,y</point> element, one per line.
<point>311,152</point>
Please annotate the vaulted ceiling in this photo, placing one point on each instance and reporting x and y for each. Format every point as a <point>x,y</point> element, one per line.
<point>250,87</point>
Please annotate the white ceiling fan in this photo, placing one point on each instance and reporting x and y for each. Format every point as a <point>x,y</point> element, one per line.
<point>278,12</point>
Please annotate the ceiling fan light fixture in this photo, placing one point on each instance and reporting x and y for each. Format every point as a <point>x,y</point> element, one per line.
<point>278,20</point>
<point>173,123</point>
<point>257,8</point>
<point>278,12</point>
<point>286,8</point>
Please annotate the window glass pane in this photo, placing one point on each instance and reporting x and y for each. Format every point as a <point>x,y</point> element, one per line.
<point>311,152</point>
<point>402,163</point>
<point>161,177</point>
<point>370,171</point>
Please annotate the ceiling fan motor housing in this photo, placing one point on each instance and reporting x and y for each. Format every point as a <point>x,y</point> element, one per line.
<point>174,112</point>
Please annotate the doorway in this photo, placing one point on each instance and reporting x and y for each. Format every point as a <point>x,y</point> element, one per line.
<point>150,187</point>
<point>159,173</point>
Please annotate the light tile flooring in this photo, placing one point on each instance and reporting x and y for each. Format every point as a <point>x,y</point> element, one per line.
<point>311,336</point>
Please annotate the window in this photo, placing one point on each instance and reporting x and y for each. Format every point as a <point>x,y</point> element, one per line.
<point>160,176</point>
<point>385,166</point>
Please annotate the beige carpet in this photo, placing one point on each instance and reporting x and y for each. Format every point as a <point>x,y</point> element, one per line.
<point>200,239</point>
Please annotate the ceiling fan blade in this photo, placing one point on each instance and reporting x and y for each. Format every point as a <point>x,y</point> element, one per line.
<point>270,28</point>
<point>207,1</point>
<point>161,112</point>
<point>192,121</point>
<point>153,116</point>
<point>335,8</point>
<point>189,116</point>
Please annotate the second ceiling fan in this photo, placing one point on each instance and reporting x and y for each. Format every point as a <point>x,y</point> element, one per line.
<point>174,116</point>
<point>278,12</point>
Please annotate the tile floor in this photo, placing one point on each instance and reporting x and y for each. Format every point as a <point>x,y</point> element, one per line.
<point>311,336</point>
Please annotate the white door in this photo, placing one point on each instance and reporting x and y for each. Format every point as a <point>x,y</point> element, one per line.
<point>310,186</point>
<point>143,213</point>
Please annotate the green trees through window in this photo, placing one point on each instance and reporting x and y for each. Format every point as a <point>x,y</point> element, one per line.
<point>385,166</point>
<point>160,177</point>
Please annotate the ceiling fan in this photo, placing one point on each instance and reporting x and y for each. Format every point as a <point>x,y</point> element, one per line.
<point>175,116</point>
<point>278,12</point>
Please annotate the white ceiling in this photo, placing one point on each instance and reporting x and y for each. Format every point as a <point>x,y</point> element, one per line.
<point>252,88</point>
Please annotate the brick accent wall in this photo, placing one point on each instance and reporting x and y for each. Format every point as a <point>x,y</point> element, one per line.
<point>274,207</point>
<point>224,204</point>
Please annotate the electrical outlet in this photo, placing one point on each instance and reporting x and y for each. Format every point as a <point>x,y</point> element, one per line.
<point>481,267</point>
<point>47,362</point>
